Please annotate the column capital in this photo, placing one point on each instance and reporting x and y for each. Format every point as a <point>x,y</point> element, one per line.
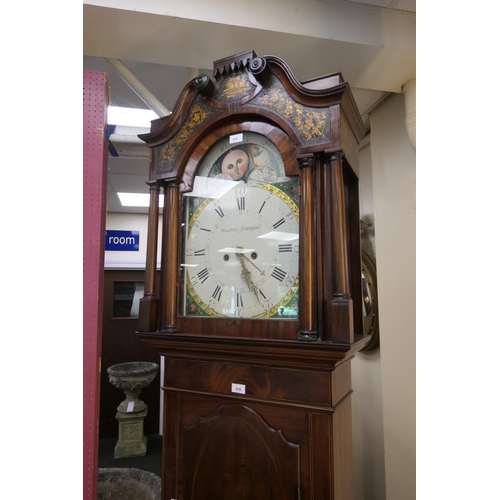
<point>306,160</point>
<point>153,185</point>
<point>333,154</point>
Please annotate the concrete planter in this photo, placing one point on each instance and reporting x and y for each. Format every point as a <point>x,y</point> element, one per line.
<point>127,484</point>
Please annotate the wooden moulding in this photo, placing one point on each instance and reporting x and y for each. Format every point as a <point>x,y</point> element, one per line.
<point>301,355</point>
<point>148,314</point>
<point>320,425</point>
<point>232,451</point>
<point>148,305</point>
<point>342,321</point>
<point>170,264</point>
<point>328,273</point>
<point>308,297</point>
<point>170,462</point>
<point>306,387</point>
<point>342,451</point>
<point>323,251</point>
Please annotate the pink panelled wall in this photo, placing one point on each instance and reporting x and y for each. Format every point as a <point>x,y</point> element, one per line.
<point>95,175</point>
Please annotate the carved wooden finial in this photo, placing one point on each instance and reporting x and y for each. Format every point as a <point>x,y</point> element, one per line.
<point>259,68</point>
<point>204,85</point>
<point>222,67</point>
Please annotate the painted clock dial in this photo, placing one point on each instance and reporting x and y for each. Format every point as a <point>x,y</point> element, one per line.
<point>241,233</point>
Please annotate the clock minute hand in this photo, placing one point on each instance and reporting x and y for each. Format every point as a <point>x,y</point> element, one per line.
<point>262,273</point>
<point>247,277</point>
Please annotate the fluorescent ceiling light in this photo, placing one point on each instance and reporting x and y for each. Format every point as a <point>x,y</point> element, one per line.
<point>277,235</point>
<point>236,250</point>
<point>211,187</point>
<point>137,199</point>
<point>131,117</point>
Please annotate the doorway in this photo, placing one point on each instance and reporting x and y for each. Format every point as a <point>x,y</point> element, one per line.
<point>122,291</point>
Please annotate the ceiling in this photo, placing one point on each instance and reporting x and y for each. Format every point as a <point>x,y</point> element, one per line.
<point>372,43</point>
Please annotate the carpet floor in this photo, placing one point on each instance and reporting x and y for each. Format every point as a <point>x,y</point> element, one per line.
<point>151,462</point>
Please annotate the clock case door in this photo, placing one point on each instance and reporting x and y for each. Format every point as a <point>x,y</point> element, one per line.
<point>316,128</point>
<point>227,217</point>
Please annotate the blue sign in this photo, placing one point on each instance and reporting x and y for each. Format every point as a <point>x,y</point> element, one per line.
<point>122,240</point>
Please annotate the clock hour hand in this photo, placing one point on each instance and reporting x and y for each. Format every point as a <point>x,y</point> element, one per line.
<point>247,277</point>
<point>262,273</point>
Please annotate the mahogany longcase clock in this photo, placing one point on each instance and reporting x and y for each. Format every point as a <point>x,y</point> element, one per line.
<point>260,308</point>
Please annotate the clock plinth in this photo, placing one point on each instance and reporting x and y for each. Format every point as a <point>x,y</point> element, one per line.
<point>259,309</point>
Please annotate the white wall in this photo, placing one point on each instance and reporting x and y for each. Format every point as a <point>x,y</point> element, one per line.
<point>127,259</point>
<point>394,193</point>
<point>367,411</point>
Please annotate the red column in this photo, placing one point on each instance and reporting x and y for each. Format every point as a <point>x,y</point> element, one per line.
<point>95,176</point>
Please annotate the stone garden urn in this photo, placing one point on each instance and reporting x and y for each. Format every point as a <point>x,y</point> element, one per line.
<point>131,378</point>
<point>127,484</point>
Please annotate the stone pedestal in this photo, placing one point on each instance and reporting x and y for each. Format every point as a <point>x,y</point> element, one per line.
<point>131,439</point>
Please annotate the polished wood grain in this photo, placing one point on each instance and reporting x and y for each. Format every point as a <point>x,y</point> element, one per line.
<point>342,451</point>
<point>253,441</point>
<point>260,408</point>
<point>323,251</point>
<point>241,328</point>
<point>214,440</point>
<point>152,241</point>
<point>354,247</point>
<point>288,353</point>
<point>170,264</point>
<point>320,435</point>
<point>342,319</point>
<point>307,297</point>
<point>170,451</point>
<point>234,453</point>
<point>339,240</point>
<point>254,379</point>
<point>148,309</point>
<point>304,386</point>
<point>194,374</point>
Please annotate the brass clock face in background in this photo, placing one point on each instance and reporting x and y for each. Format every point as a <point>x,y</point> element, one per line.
<point>240,254</point>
